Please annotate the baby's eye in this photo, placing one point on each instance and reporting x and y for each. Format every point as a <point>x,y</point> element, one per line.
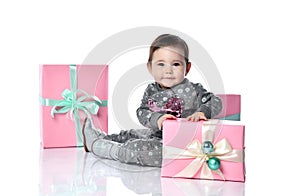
<point>160,64</point>
<point>176,64</point>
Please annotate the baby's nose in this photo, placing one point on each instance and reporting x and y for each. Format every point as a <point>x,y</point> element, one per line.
<point>168,69</point>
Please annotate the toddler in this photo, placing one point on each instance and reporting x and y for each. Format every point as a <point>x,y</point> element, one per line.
<point>171,96</point>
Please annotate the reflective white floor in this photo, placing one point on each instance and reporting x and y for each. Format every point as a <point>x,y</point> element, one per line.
<point>71,171</point>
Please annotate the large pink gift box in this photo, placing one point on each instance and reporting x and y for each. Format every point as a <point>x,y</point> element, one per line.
<point>68,94</point>
<point>212,149</point>
<point>231,107</point>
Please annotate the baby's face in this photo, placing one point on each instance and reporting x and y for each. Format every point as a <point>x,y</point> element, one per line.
<point>168,66</point>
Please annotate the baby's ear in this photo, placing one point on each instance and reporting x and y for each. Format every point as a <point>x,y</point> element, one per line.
<point>188,67</point>
<point>149,67</point>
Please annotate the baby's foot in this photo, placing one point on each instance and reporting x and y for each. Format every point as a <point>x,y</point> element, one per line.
<point>90,134</point>
<point>106,149</point>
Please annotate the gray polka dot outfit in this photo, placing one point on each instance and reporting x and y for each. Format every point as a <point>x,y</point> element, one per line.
<point>188,96</point>
<point>144,146</point>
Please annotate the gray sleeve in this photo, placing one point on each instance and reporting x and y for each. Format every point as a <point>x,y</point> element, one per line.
<point>209,104</point>
<point>145,116</point>
<point>153,120</point>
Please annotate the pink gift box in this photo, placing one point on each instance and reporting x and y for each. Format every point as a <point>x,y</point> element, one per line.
<point>63,128</point>
<point>231,107</point>
<point>184,157</point>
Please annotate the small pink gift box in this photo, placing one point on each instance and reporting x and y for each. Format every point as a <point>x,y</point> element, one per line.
<point>212,149</point>
<point>231,107</point>
<point>68,94</point>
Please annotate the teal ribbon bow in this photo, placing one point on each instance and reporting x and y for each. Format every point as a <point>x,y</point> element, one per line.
<point>71,105</point>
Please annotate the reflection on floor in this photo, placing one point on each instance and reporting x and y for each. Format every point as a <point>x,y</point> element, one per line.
<point>71,171</point>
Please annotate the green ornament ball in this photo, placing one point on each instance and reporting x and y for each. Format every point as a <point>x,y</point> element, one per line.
<point>213,163</point>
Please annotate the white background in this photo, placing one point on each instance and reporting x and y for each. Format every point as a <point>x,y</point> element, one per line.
<point>255,45</point>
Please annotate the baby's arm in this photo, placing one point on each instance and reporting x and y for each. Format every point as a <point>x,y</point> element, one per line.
<point>209,105</point>
<point>145,115</point>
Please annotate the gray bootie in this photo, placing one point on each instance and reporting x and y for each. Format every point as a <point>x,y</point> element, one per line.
<point>90,134</point>
<point>106,149</point>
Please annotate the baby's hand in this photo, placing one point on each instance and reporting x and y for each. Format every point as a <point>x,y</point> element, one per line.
<point>197,116</point>
<point>162,118</point>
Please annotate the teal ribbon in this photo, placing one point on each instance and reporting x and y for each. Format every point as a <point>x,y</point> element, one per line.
<point>236,117</point>
<point>71,105</point>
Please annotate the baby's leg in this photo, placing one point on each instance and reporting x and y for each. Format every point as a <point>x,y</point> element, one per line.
<point>132,146</point>
<point>146,152</point>
<point>126,135</point>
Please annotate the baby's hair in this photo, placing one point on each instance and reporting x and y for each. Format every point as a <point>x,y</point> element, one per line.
<point>166,40</point>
